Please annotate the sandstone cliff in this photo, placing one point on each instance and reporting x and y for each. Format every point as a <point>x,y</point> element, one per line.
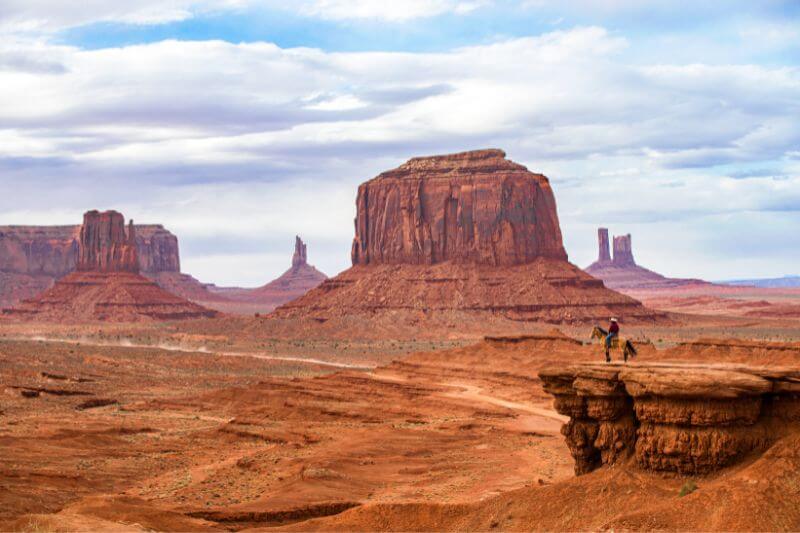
<point>106,284</point>
<point>680,417</point>
<point>473,207</point>
<point>32,258</point>
<point>470,233</point>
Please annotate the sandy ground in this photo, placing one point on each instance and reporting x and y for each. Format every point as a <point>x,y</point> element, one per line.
<point>181,427</point>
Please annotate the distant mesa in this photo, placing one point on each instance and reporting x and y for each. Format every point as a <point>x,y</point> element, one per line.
<point>32,258</point>
<point>469,232</point>
<point>621,271</point>
<point>107,284</point>
<point>295,282</point>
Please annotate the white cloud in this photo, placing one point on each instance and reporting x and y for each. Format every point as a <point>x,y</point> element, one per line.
<point>239,141</point>
<point>390,10</point>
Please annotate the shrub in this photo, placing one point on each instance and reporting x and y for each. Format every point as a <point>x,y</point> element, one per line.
<point>687,488</point>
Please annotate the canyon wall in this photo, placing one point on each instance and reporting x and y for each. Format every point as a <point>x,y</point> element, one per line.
<point>471,207</point>
<point>677,417</point>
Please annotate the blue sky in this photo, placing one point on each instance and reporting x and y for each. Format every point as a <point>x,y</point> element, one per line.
<point>238,123</point>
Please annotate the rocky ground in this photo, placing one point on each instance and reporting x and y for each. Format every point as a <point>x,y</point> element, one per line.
<point>229,430</point>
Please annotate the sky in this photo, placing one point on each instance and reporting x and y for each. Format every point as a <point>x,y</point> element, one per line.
<point>240,123</point>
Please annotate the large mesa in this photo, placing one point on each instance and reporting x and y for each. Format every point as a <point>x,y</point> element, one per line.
<point>107,284</point>
<point>467,233</point>
<point>473,207</point>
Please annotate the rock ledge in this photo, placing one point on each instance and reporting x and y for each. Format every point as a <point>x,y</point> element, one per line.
<point>685,418</point>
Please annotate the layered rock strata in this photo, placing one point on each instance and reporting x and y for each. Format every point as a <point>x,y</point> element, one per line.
<point>107,284</point>
<point>32,258</point>
<point>473,207</point>
<point>678,417</point>
<point>469,232</point>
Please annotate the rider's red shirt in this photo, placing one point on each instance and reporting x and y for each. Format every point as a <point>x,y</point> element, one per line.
<point>614,328</point>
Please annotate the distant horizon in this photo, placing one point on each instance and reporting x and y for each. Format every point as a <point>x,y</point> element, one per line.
<point>239,124</point>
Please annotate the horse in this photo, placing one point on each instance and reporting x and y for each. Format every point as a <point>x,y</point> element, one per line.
<point>620,343</point>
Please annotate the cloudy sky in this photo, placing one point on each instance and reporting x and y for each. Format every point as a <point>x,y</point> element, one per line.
<point>239,123</point>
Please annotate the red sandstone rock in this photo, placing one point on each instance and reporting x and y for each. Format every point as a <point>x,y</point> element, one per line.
<point>469,232</point>
<point>32,258</point>
<point>473,207</point>
<point>621,271</point>
<point>107,284</point>
<point>604,254</point>
<point>687,418</point>
<point>105,247</point>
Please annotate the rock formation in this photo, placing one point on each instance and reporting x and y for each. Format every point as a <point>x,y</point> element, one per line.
<point>623,251</point>
<point>604,255</point>
<point>32,258</point>
<point>295,282</point>
<point>104,245</point>
<point>470,232</point>
<point>678,417</point>
<point>621,271</point>
<point>474,207</point>
<point>107,284</point>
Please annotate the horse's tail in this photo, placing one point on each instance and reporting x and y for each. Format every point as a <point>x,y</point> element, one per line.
<point>631,349</point>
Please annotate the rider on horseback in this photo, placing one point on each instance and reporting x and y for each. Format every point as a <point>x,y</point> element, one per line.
<point>613,331</point>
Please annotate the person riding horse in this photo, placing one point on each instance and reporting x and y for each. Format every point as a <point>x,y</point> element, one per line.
<point>613,331</point>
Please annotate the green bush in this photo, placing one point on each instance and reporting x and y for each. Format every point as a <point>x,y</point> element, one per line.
<point>687,488</point>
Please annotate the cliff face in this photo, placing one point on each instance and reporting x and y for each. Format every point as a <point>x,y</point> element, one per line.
<point>472,207</point>
<point>53,250</point>
<point>105,246</point>
<point>679,417</point>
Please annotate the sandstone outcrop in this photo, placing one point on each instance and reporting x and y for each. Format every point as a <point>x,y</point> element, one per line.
<point>104,244</point>
<point>473,207</point>
<point>678,417</point>
<point>107,284</point>
<point>32,258</point>
<point>295,282</point>
<point>471,232</point>
<point>621,272</point>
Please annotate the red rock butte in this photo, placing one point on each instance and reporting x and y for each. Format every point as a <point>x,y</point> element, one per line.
<point>107,284</point>
<point>622,272</point>
<point>32,258</point>
<point>468,232</point>
<point>298,280</point>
